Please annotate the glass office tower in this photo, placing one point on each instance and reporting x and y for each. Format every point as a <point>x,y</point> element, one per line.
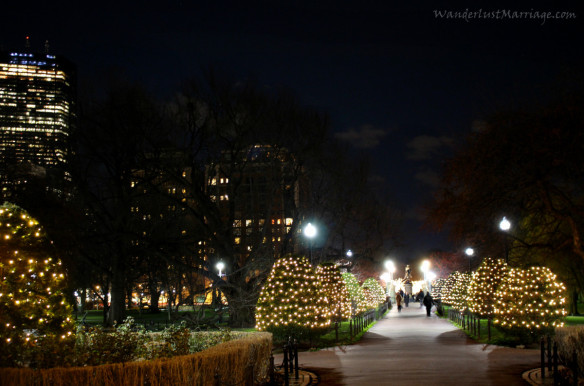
<point>37,112</point>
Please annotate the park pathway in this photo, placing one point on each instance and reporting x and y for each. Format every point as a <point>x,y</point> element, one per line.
<point>409,348</point>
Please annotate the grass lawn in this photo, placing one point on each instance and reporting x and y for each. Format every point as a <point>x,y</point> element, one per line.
<point>574,320</point>
<point>497,336</point>
<point>159,321</point>
<point>151,320</point>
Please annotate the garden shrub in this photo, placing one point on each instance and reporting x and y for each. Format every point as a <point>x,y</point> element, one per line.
<point>570,339</point>
<point>530,303</point>
<point>291,302</point>
<point>229,361</point>
<point>33,306</point>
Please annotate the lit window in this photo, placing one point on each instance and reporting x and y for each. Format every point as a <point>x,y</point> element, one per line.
<point>237,240</point>
<point>248,223</point>
<point>288,221</point>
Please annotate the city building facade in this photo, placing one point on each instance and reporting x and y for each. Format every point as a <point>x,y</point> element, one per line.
<point>37,114</point>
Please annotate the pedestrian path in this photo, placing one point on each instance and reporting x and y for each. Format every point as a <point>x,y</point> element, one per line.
<point>409,348</point>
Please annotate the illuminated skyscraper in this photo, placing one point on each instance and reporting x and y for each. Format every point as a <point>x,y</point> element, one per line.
<point>37,111</point>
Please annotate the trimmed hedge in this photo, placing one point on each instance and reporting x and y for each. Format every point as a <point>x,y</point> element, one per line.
<point>228,360</point>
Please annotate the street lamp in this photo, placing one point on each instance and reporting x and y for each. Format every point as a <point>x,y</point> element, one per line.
<point>349,253</point>
<point>505,226</point>
<point>425,269</point>
<point>310,232</point>
<point>389,283</point>
<point>431,276</point>
<point>469,252</point>
<point>220,267</point>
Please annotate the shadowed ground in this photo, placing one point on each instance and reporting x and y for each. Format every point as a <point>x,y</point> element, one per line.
<point>409,348</point>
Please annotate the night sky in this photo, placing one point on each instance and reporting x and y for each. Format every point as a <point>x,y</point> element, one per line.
<point>398,82</point>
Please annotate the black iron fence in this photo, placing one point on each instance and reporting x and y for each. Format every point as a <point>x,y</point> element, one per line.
<point>359,322</point>
<point>551,361</point>
<point>471,322</point>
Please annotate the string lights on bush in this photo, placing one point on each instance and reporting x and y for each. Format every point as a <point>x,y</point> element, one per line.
<point>530,300</point>
<point>459,293</point>
<point>32,303</point>
<point>292,298</point>
<point>486,280</point>
<point>333,287</point>
<point>374,293</point>
<point>358,301</point>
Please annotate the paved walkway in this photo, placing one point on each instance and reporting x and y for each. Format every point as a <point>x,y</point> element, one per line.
<point>409,348</point>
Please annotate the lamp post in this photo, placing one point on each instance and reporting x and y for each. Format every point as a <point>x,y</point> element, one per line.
<point>431,276</point>
<point>310,232</point>
<point>220,266</point>
<point>505,225</point>
<point>390,270</point>
<point>469,252</point>
<point>425,269</point>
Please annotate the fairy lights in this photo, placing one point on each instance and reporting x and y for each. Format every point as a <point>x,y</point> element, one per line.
<point>530,300</point>
<point>486,280</point>
<point>333,287</point>
<point>292,297</point>
<point>374,293</point>
<point>34,301</point>
<point>358,300</point>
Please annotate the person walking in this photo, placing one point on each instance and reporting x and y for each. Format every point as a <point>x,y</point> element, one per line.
<point>428,301</point>
<point>398,301</point>
<point>407,299</point>
<point>420,298</point>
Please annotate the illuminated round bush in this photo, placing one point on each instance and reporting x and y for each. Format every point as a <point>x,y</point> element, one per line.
<point>483,286</point>
<point>459,293</point>
<point>447,289</point>
<point>33,308</point>
<point>291,302</point>
<point>437,285</point>
<point>530,302</point>
<point>333,287</point>
<point>374,293</point>
<point>358,301</point>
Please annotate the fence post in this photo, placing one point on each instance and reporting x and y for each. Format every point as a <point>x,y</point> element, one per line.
<point>296,357</point>
<point>542,357</point>
<point>249,375</point>
<point>272,380</point>
<point>549,352</point>
<point>489,328</point>
<point>336,331</point>
<point>556,372</point>
<point>575,368</point>
<point>286,382</point>
<point>479,326</point>
<point>351,328</point>
<point>291,354</point>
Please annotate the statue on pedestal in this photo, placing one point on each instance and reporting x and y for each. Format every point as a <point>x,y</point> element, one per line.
<point>408,280</point>
<point>408,277</point>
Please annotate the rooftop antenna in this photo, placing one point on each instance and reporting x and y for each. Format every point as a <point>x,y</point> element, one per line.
<point>27,43</point>
<point>46,46</point>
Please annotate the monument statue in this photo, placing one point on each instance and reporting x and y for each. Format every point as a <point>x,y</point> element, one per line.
<point>408,277</point>
<point>408,281</point>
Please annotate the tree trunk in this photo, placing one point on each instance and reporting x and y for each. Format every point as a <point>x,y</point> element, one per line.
<point>154,298</point>
<point>118,297</point>
<point>574,302</point>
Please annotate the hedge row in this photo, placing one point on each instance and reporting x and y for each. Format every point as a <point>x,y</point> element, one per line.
<point>228,360</point>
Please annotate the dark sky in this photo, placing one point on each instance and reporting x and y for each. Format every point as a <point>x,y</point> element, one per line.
<point>398,82</point>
